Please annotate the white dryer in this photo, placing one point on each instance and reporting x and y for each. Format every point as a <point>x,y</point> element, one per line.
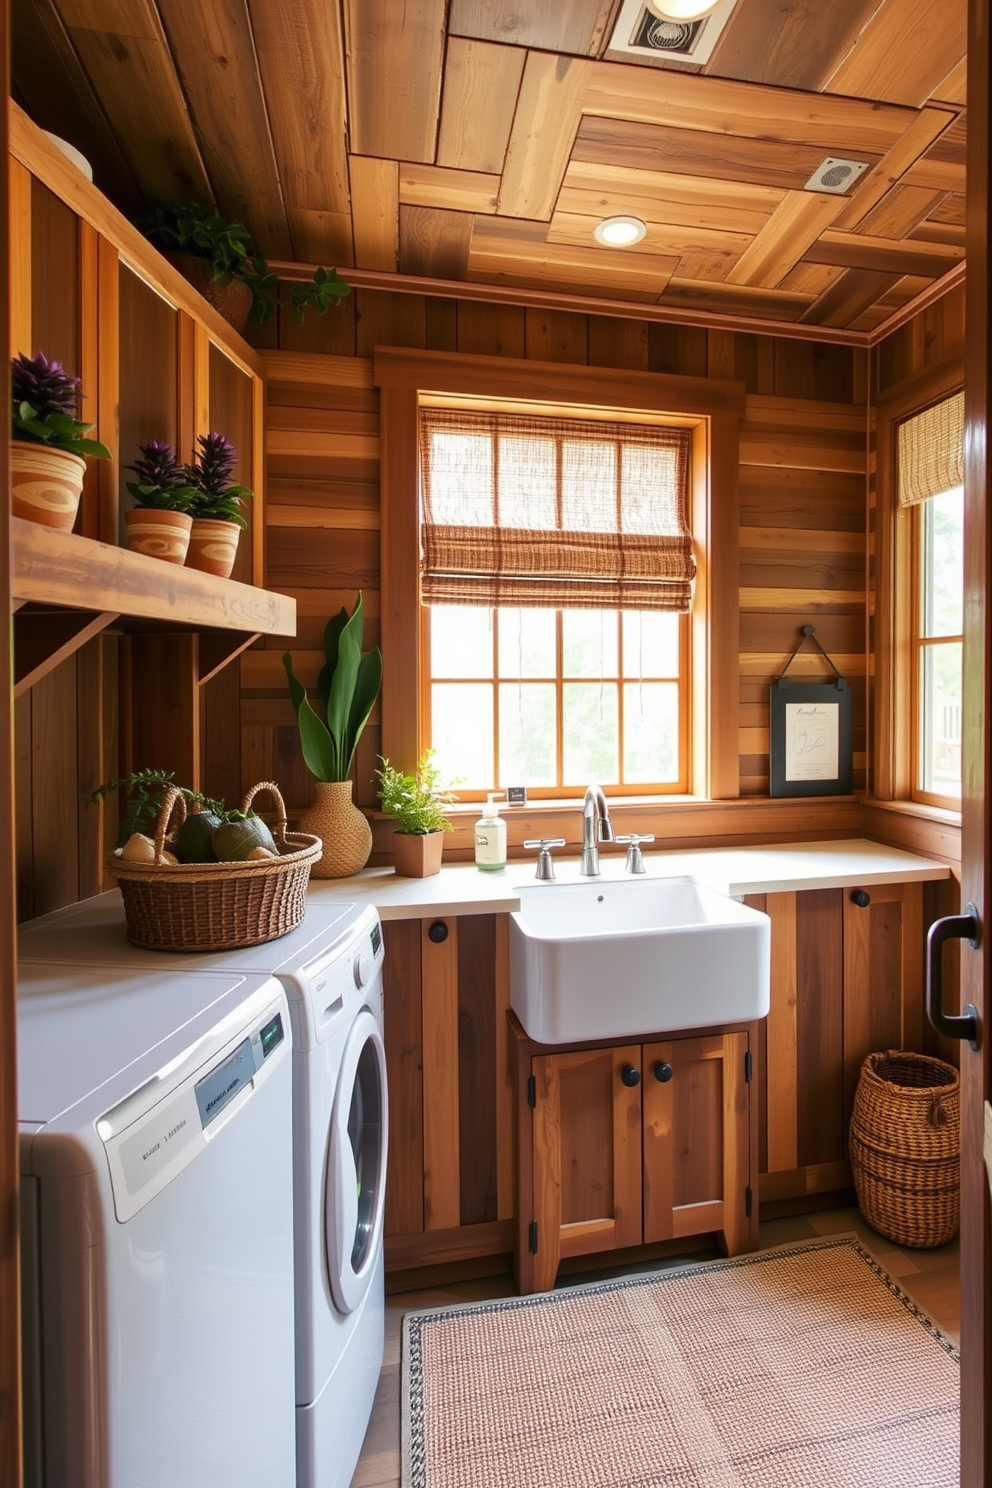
<point>331,970</point>
<point>155,1147</point>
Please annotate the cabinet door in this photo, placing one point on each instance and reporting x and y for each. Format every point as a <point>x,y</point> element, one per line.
<point>696,1139</point>
<point>586,1156</point>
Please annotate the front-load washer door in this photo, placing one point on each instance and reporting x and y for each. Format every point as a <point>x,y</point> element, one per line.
<point>355,1184</point>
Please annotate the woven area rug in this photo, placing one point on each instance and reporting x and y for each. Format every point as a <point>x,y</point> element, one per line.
<point>804,1367</point>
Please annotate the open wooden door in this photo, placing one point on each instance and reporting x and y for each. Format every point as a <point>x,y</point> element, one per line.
<point>976,1278</point>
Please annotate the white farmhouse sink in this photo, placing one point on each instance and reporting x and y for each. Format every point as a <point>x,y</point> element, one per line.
<point>604,960</point>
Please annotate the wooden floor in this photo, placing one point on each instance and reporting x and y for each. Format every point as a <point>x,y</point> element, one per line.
<point>930,1276</point>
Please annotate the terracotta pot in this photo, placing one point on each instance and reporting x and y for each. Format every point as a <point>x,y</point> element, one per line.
<point>341,827</point>
<point>233,300</point>
<point>213,546</point>
<point>158,534</point>
<point>45,484</point>
<point>418,856</point>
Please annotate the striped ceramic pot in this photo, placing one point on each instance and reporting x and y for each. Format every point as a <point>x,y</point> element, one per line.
<point>46,484</point>
<point>157,533</point>
<point>213,546</point>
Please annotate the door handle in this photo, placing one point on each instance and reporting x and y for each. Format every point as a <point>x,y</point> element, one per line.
<point>964,1025</point>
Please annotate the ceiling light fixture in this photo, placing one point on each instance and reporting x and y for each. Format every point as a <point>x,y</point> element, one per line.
<point>681,10</point>
<point>619,232</point>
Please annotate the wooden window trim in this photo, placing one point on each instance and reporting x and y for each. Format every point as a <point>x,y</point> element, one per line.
<point>895,543</point>
<point>714,408</point>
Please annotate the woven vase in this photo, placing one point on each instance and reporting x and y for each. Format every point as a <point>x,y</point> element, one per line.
<point>341,827</point>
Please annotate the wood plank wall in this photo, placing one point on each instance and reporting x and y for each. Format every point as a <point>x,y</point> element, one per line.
<point>803,456</point>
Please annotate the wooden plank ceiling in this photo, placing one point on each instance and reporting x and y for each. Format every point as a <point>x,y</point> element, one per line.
<point>484,139</point>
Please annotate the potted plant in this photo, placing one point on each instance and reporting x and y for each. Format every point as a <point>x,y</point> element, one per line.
<point>159,524</point>
<point>215,506</point>
<point>220,260</point>
<point>48,442</point>
<point>348,684</point>
<point>417,803</point>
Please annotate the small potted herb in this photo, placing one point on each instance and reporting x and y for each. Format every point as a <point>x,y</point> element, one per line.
<point>159,524</point>
<point>348,684</point>
<point>48,442</point>
<point>220,260</point>
<point>417,804</point>
<point>215,506</point>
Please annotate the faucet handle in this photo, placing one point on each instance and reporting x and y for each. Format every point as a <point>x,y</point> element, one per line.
<point>635,863</point>
<point>545,865</point>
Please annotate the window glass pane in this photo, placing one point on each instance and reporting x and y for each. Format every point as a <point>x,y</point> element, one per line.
<point>650,732</point>
<point>591,733</point>
<point>588,486</point>
<point>650,644</point>
<point>940,719</point>
<point>589,643</point>
<point>461,641</point>
<point>462,479</point>
<point>943,563</point>
<point>527,483</point>
<point>527,745</point>
<point>527,643</point>
<point>462,733</point>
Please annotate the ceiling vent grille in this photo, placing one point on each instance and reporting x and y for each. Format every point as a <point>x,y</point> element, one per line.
<point>639,33</point>
<point>835,175</point>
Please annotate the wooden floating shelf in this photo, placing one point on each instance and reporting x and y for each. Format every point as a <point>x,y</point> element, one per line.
<point>60,569</point>
<point>66,589</point>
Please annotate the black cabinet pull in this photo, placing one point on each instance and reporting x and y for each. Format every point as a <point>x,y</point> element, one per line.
<point>663,1071</point>
<point>438,932</point>
<point>630,1075</point>
<point>861,898</point>
<point>965,1025</point>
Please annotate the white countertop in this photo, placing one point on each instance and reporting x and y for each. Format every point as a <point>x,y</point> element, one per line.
<point>461,888</point>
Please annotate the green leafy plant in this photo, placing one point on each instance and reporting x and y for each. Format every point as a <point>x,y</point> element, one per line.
<point>416,801</point>
<point>228,248</point>
<point>348,684</point>
<point>145,789</point>
<point>211,477</point>
<point>45,401</point>
<point>163,482</point>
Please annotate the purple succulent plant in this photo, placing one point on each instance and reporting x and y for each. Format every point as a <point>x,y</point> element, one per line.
<point>45,384</point>
<point>163,482</point>
<point>215,492</point>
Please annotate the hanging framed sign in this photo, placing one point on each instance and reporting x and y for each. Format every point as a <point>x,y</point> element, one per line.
<point>810,732</point>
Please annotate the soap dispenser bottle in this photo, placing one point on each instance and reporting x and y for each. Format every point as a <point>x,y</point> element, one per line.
<point>490,837</point>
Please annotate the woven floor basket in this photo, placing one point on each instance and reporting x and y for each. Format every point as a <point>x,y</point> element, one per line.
<point>905,1145</point>
<point>216,906</point>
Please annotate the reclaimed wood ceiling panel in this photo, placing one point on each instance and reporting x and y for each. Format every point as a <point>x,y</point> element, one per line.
<point>482,140</point>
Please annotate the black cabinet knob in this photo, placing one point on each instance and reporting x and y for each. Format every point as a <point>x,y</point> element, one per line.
<point>630,1075</point>
<point>438,932</point>
<point>861,898</point>
<point>663,1071</point>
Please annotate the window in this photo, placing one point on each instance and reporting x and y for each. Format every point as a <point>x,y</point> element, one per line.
<point>931,499</point>
<point>557,568</point>
<point>410,380</point>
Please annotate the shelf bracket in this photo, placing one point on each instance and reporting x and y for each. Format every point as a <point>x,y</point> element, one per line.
<point>45,638</point>
<point>218,648</point>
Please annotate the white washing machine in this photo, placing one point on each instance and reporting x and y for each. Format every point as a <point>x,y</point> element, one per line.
<point>155,1151</point>
<point>331,970</point>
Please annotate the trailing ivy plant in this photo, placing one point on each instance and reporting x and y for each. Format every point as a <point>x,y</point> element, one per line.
<point>227,246</point>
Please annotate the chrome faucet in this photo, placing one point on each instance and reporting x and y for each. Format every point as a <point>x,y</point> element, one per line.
<point>595,814</point>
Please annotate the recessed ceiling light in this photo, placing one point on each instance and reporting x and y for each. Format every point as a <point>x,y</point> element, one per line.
<point>619,232</point>
<point>681,10</point>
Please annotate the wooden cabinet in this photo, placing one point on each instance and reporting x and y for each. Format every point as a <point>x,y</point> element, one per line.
<point>847,978</point>
<point>632,1144</point>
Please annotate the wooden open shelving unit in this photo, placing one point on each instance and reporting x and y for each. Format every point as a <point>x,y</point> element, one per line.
<point>65,589</point>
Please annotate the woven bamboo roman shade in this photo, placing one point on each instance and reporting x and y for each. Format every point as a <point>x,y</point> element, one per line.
<point>548,513</point>
<point>931,451</point>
